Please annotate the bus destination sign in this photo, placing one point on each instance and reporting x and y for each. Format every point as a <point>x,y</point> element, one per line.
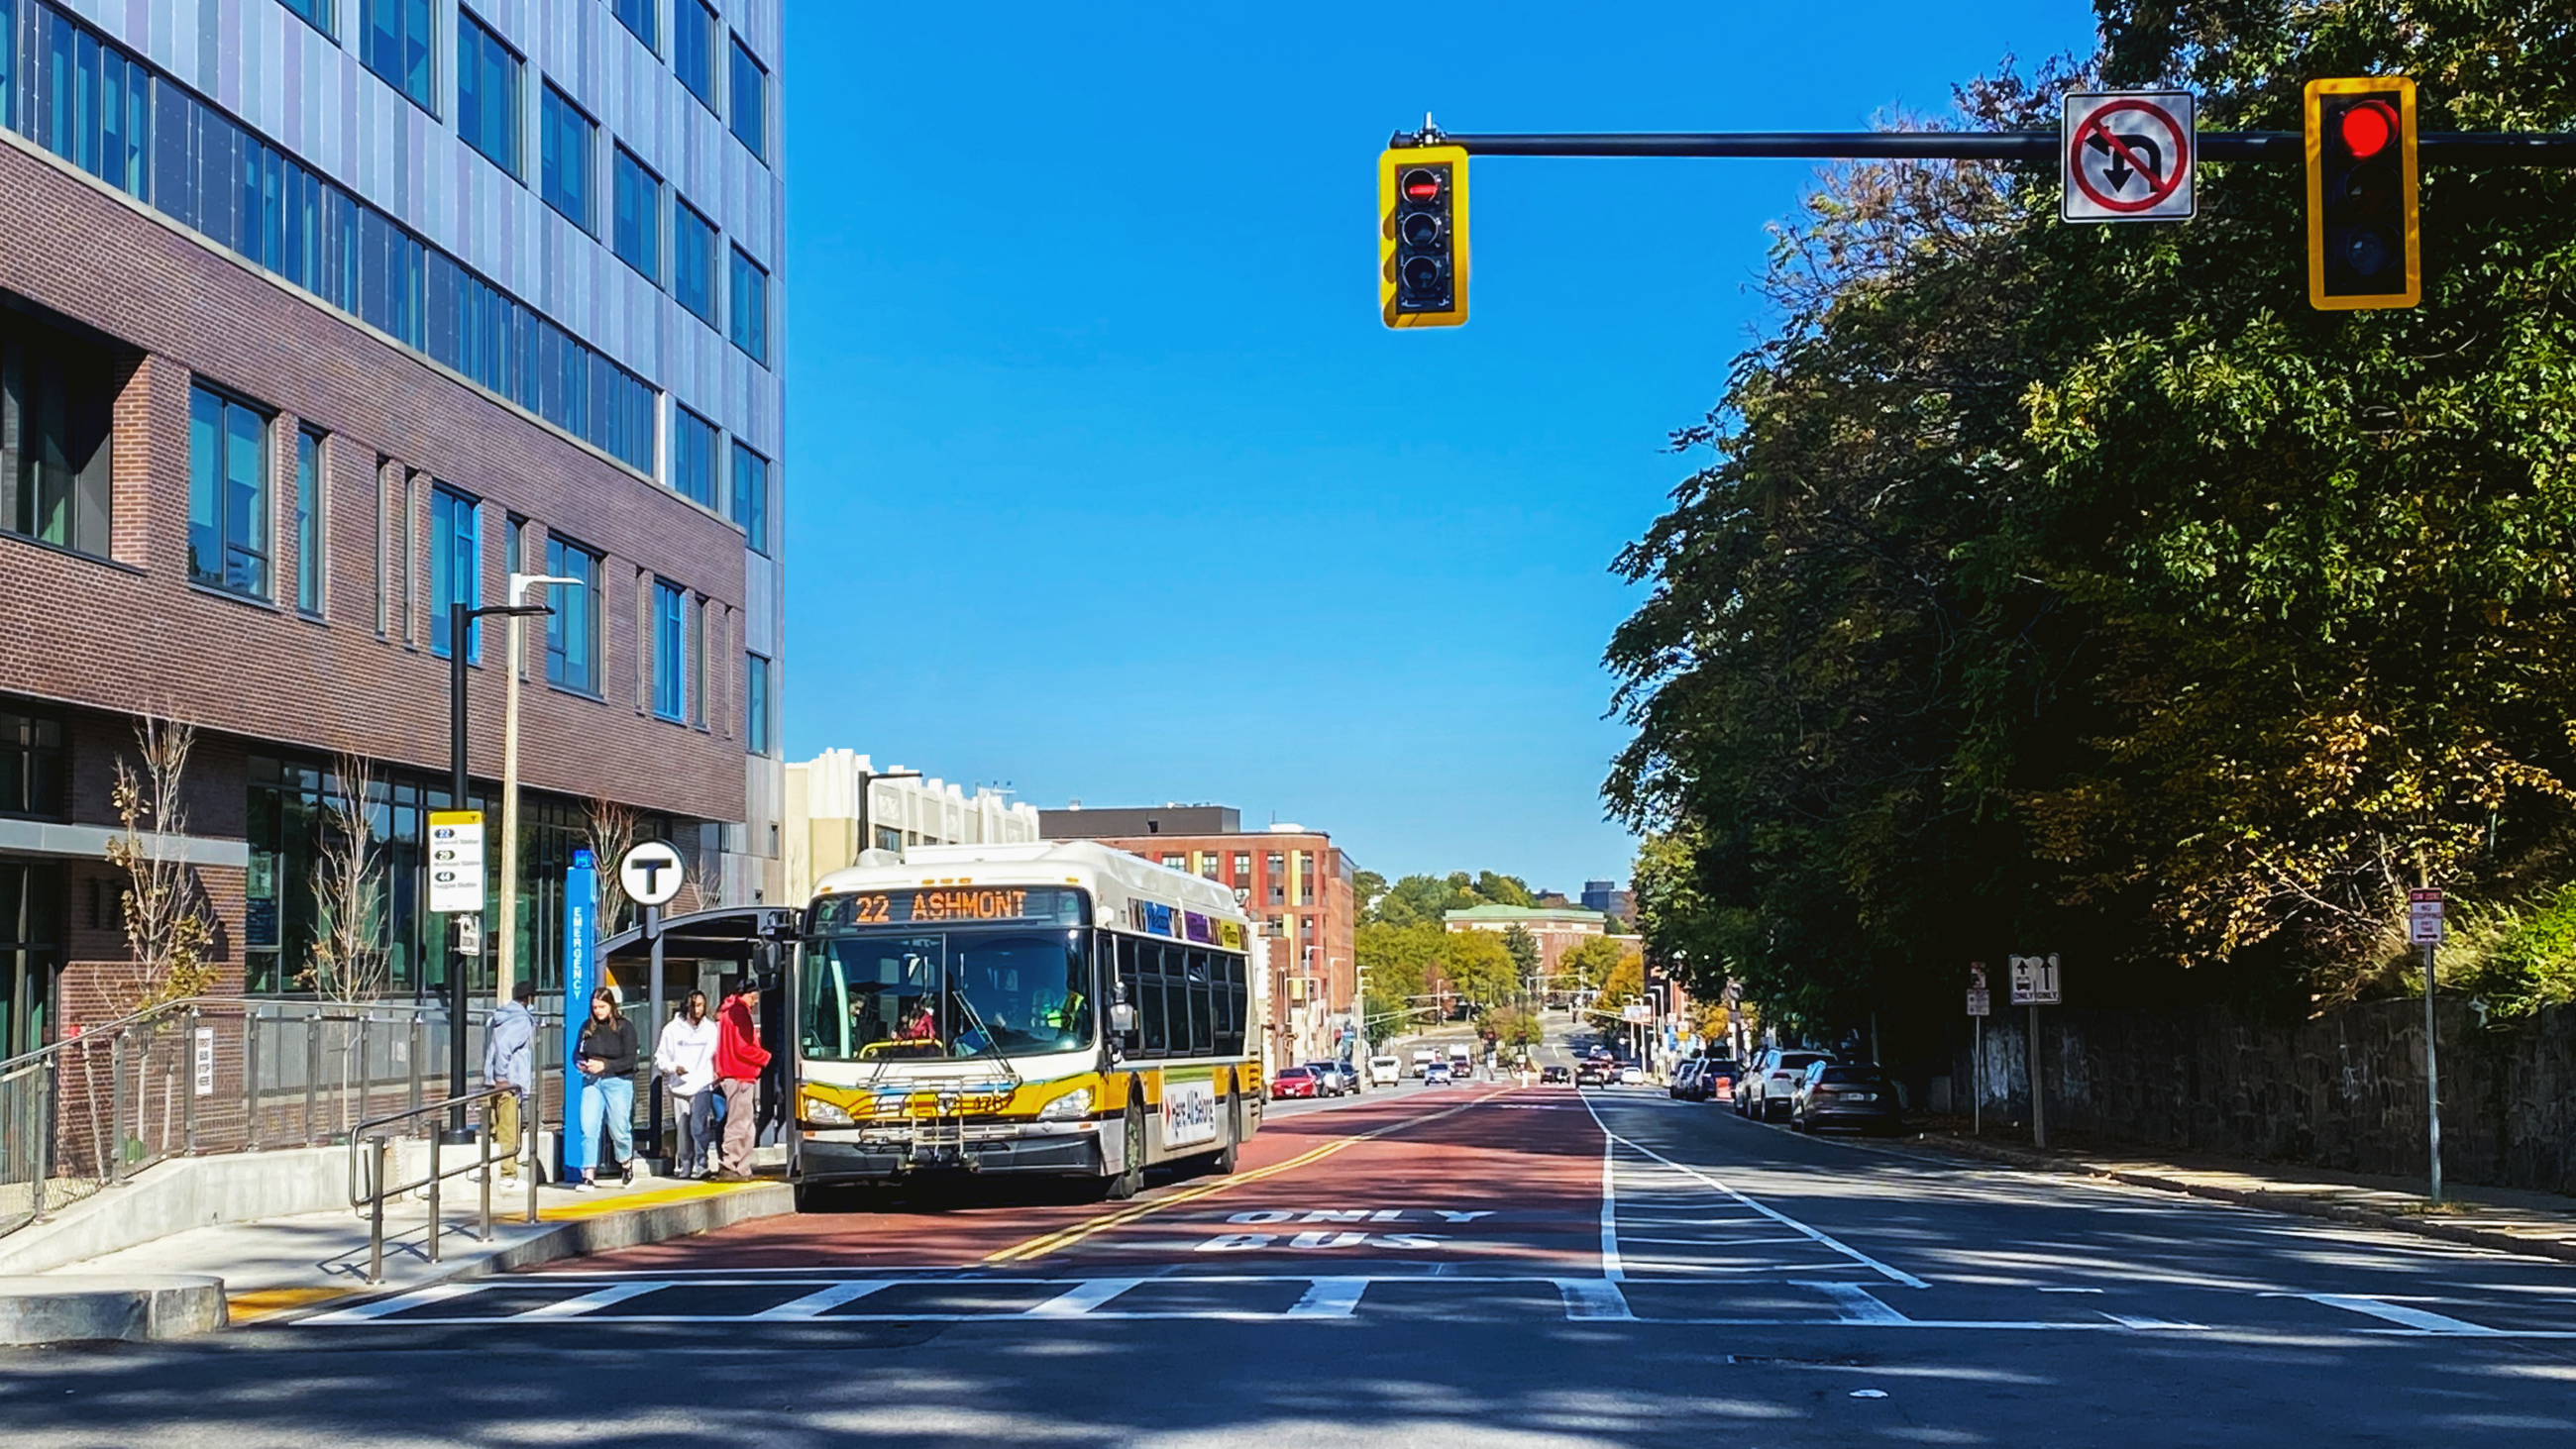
<point>946,904</point>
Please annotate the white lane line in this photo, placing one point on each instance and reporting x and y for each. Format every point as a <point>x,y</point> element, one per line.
<point>439,1293</point>
<point>1898,1275</point>
<point>1855,1302</point>
<point>1719,1243</point>
<point>1594,1298</point>
<point>2400,1314</point>
<point>2143,1323</point>
<point>1329,1298</point>
<point>591,1302</point>
<point>1610,1269</point>
<point>820,1301</point>
<point>1660,1265</point>
<point>1082,1298</point>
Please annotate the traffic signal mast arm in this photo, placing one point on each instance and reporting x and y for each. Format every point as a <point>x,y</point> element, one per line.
<point>2457,148</point>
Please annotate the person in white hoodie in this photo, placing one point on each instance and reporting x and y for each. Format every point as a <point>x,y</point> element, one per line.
<point>686,1057</point>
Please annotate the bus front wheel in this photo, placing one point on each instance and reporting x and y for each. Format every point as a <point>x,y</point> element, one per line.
<point>1131,1181</point>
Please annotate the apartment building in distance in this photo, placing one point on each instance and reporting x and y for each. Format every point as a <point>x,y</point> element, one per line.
<point>839,805</point>
<point>316,318</point>
<point>1556,929</point>
<point>1292,880</point>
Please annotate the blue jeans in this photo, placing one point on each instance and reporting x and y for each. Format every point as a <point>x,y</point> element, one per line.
<point>609,1104</point>
<point>697,1119</point>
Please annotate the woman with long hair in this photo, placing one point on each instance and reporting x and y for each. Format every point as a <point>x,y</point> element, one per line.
<point>606,1060</point>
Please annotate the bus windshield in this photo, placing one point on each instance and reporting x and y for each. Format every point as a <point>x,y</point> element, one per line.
<point>945,994</point>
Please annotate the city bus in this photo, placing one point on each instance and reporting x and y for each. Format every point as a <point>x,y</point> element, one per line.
<point>1055,1008</point>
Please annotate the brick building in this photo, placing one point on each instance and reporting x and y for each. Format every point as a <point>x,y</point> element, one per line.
<point>1557,929</point>
<point>315,317</point>
<point>1294,881</point>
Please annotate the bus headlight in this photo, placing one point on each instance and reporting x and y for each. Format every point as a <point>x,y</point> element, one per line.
<point>827,1114</point>
<point>1072,1106</point>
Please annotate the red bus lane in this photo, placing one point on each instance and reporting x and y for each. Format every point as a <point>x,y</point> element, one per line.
<point>1477,1180</point>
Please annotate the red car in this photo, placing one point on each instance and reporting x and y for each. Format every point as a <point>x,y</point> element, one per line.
<point>1295,1082</point>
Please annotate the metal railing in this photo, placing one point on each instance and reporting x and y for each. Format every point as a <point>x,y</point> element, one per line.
<point>369,1148</point>
<point>218,1074</point>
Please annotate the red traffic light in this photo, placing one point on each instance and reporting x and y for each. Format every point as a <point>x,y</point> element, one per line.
<point>2368,128</point>
<point>1421,185</point>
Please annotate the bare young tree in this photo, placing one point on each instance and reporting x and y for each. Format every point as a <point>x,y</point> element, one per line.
<point>610,828</point>
<point>168,926</point>
<point>349,956</point>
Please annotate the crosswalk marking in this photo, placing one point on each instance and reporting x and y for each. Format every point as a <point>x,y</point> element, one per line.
<point>2400,1314</point>
<point>821,1301</point>
<point>1857,1303</point>
<point>592,1302</point>
<point>1082,1298</point>
<point>1593,1298</point>
<point>1330,1298</point>
<point>421,1298</point>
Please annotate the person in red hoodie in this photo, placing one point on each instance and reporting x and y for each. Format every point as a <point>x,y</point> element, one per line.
<point>739,1058</point>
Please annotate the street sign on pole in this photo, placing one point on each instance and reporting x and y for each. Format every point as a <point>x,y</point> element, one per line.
<point>1636,1012</point>
<point>1979,1002</point>
<point>2424,918</point>
<point>2034,981</point>
<point>456,862</point>
<point>2128,156</point>
<point>650,874</point>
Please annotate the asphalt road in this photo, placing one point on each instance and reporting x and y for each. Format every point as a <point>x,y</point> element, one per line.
<point>1483,1265</point>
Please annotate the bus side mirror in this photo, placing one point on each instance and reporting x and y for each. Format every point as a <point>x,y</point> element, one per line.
<point>1122,1019</point>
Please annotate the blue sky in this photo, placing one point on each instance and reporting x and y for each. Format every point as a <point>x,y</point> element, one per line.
<point>1105,480</point>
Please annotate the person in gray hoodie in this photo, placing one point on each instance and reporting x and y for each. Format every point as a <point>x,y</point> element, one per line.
<point>509,1060</point>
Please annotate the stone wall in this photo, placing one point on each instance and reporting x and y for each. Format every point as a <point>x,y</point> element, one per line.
<point>2343,1090</point>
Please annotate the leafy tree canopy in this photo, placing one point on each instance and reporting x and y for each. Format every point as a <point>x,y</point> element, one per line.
<point>2081,588</point>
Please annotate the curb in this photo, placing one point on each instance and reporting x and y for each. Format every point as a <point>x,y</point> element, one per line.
<point>133,1307</point>
<point>2563,1249</point>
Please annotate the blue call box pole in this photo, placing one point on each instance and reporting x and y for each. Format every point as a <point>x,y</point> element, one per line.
<point>581,977</point>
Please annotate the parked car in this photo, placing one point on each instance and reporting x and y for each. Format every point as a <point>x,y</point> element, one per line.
<point>1436,1075</point>
<point>1771,1081</point>
<point>1294,1082</point>
<point>1716,1078</point>
<point>1555,1076</point>
<point>1332,1078</point>
<point>1854,1095</point>
<point>1685,1072</point>
<point>1632,1075</point>
<point>1592,1072</point>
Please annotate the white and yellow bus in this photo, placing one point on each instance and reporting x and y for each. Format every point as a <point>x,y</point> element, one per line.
<point>1055,1008</point>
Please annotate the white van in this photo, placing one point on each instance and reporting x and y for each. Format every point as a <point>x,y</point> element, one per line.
<point>1423,1057</point>
<point>1385,1071</point>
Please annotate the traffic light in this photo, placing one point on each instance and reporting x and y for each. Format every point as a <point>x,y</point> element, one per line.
<point>1422,236</point>
<point>2364,249</point>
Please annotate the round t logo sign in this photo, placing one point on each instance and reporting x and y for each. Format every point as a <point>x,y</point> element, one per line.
<point>650,873</point>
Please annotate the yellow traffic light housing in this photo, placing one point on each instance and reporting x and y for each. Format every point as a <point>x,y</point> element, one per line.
<point>2365,248</point>
<point>1422,236</point>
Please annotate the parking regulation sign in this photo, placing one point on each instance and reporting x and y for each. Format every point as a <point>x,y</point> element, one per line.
<point>2128,156</point>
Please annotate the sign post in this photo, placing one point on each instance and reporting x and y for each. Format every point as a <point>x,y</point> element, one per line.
<point>1979,1003</point>
<point>581,977</point>
<point>456,889</point>
<point>2034,984</point>
<point>2424,928</point>
<point>650,874</point>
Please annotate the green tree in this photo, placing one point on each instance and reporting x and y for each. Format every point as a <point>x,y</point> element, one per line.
<point>1587,967</point>
<point>1479,967</point>
<point>1367,886</point>
<point>1524,951</point>
<point>1503,890</point>
<point>2082,585</point>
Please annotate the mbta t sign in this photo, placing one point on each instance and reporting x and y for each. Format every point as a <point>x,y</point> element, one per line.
<point>650,874</point>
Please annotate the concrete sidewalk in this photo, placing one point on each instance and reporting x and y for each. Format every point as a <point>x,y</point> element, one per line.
<point>288,1265</point>
<point>2489,1217</point>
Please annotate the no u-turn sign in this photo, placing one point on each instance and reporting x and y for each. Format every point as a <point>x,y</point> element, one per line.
<point>2128,157</point>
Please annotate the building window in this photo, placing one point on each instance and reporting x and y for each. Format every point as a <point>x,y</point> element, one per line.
<point>693,48</point>
<point>1305,877</point>
<point>1207,864</point>
<point>670,651</point>
<point>455,568</point>
<point>88,101</point>
<point>751,496</point>
<point>570,137</point>
<point>694,442</point>
<point>1243,869</point>
<point>308,521</point>
<point>1173,861</point>
<point>322,15</point>
<point>31,767</point>
<point>693,257</point>
<point>637,234</point>
<point>400,43</point>
<point>227,494</point>
<point>750,306</point>
<point>487,93</point>
<point>638,16</point>
<point>1278,878</point>
<point>572,631</point>
<point>57,396</point>
<point>755,704</point>
<point>750,99</point>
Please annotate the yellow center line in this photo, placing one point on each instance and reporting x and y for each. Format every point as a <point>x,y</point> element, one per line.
<point>1046,1243</point>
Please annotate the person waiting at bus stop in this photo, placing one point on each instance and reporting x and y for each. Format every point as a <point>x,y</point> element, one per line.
<point>687,1056</point>
<point>606,1060</point>
<point>739,1059</point>
<point>509,1060</point>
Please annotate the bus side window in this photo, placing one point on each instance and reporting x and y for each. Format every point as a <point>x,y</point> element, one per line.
<point>1229,1039</point>
<point>1151,1003</point>
<point>1131,988</point>
<point>1202,1006</point>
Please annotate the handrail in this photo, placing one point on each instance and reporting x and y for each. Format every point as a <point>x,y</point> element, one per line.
<point>377,1144</point>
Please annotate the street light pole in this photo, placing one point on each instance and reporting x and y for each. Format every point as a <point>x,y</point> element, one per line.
<point>460,620</point>
<point>507,975</point>
<point>868,778</point>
